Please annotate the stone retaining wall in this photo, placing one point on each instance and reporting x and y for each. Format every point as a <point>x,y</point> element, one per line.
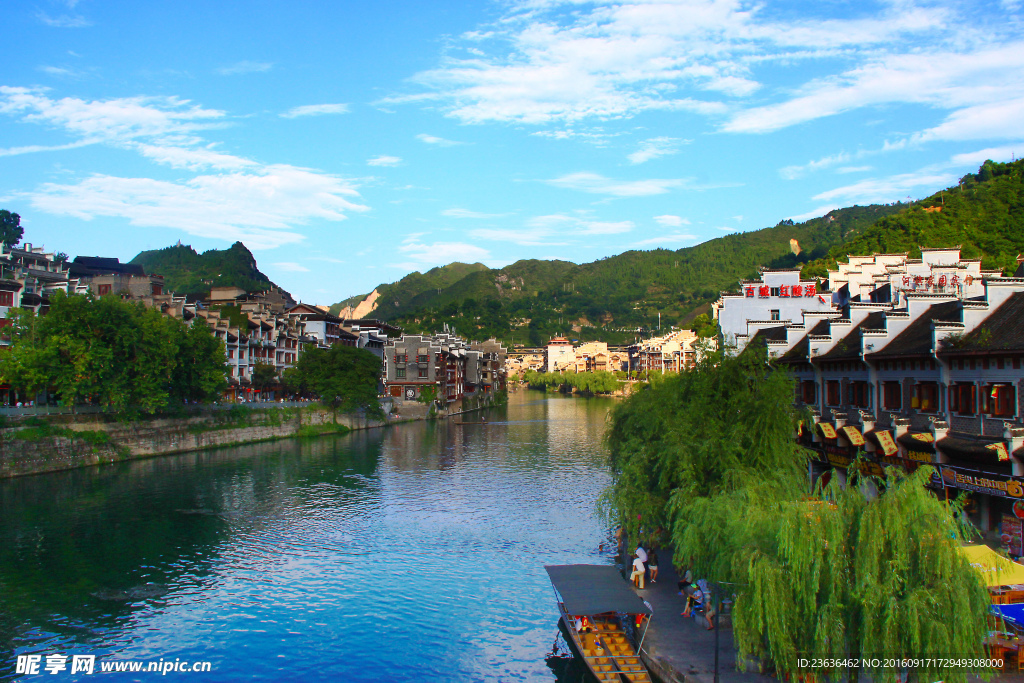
<point>142,439</point>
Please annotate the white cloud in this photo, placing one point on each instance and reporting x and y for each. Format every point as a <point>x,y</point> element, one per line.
<point>598,184</point>
<point>794,172</point>
<point>880,190</point>
<point>854,169</point>
<point>440,253</point>
<point>1005,153</point>
<point>244,67</point>
<point>654,148</point>
<point>566,60</point>
<point>725,228</point>
<point>673,238</point>
<point>290,267</point>
<point>434,140</point>
<point>554,229</point>
<point>466,213</point>
<point>259,203</point>
<point>315,110</point>
<point>260,208</point>
<point>671,221</point>
<point>384,160</point>
<point>59,71</point>
<point>64,20</point>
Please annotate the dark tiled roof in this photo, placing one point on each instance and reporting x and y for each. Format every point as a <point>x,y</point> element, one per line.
<point>100,265</point>
<point>969,449</point>
<point>849,346</point>
<point>1002,330</point>
<point>917,338</point>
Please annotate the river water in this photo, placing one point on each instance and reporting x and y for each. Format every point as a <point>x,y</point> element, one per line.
<point>410,553</point>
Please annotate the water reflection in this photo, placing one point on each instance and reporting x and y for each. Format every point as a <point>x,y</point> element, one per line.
<point>396,554</point>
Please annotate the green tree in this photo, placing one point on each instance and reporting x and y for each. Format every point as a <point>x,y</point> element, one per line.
<point>116,353</point>
<point>10,228</point>
<point>342,377</point>
<point>264,375</point>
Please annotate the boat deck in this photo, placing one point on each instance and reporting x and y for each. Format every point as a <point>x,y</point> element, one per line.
<point>607,651</point>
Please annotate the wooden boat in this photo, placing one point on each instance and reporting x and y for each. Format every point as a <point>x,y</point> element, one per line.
<point>598,610</point>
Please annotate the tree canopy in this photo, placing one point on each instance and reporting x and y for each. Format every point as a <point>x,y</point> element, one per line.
<point>342,377</point>
<point>11,231</point>
<point>113,352</point>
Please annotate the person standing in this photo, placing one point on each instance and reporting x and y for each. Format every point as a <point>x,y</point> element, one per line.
<point>652,564</point>
<point>637,577</point>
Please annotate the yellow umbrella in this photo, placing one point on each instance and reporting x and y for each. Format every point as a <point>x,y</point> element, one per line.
<point>993,567</point>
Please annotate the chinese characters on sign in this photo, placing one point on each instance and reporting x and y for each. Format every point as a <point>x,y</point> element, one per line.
<point>764,291</point>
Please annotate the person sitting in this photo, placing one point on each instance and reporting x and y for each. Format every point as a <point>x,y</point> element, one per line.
<point>696,601</point>
<point>637,577</point>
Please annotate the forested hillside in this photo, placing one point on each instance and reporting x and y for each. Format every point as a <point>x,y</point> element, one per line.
<point>186,271</point>
<point>610,299</point>
<point>983,213</point>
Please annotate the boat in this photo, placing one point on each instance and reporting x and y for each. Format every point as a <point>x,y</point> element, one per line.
<point>601,617</point>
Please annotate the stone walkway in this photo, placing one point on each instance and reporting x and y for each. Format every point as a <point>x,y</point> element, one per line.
<point>679,649</point>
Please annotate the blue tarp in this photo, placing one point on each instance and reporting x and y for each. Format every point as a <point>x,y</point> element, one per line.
<point>1014,614</point>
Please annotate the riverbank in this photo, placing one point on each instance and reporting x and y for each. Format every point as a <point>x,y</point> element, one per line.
<point>36,445</point>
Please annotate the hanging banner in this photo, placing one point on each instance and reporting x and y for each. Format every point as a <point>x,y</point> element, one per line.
<point>1000,448</point>
<point>887,443</point>
<point>853,435</point>
<point>827,429</point>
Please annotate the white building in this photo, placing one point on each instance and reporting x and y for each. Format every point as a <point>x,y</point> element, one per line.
<point>780,296</point>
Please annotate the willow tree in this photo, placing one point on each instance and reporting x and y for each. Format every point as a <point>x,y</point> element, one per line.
<point>698,434</point>
<point>872,571</point>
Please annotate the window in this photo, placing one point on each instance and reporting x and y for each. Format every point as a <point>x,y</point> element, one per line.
<point>158,290</point>
<point>103,289</point>
<point>423,358</point>
<point>400,373</point>
<point>6,298</point>
<point>963,398</point>
<point>775,292</point>
<point>858,394</point>
<point>775,315</point>
<point>231,353</point>
<point>926,397</point>
<point>808,391</point>
<point>423,372</point>
<point>832,392</point>
<point>999,400</point>
<point>892,395</point>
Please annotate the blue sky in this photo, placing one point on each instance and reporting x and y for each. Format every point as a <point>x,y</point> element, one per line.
<point>349,143</point>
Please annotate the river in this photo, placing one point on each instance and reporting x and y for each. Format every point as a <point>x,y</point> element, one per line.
<point>408,553</point>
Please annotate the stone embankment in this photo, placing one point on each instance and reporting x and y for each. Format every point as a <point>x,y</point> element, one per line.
<point>35,445</point>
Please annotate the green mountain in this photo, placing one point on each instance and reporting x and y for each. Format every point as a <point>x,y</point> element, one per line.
<point>618,298</point>
<point>186,271</point>
<point>984,214</point>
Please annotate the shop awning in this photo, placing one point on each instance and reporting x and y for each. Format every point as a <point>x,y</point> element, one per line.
<point>993,567</point>
<point>985,452</point>
<point>918,441</point>
<point>827,430</point>
<point>588,589</point>
<point>853,435</point>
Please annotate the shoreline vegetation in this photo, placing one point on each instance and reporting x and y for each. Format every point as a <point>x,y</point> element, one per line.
<point>707,460</point>
<point>601,382</point>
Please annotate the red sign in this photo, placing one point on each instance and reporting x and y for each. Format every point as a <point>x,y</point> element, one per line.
<point>765,291</point>
<point>810,290</point>
<point>750,291</point>
<point>784,290</point>
<point>797,290</point>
